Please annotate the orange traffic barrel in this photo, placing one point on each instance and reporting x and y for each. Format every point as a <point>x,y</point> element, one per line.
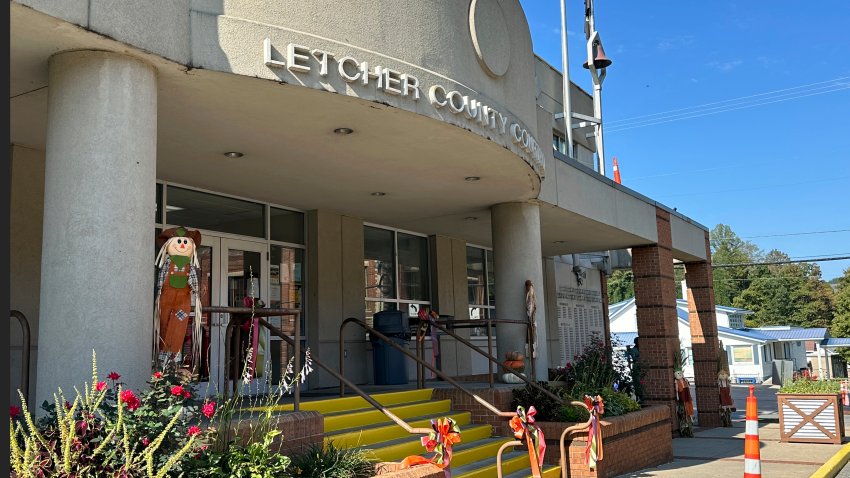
<point>752,454</point>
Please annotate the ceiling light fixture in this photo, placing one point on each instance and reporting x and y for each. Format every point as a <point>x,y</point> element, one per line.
<point>234,154</point>
<point>343,131</point>
<point>378,193</point>
<point>472,178</point>
<point>470,218</point>
<point>560,242</point>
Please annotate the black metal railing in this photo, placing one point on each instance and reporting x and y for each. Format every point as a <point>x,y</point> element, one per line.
<point>25,350</point>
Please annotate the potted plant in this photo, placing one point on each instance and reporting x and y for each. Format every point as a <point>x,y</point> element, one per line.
<point>810,411</point>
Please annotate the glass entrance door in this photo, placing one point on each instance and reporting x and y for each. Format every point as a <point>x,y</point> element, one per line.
<point>244,275</point>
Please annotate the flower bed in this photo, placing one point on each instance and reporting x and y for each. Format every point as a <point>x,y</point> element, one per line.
<point>630,442</point>
<point>810,411</point>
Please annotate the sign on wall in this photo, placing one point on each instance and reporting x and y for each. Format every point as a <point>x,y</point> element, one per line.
<point>580,318</point>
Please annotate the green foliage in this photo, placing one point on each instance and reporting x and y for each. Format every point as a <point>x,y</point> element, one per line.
<point>728,248</point>
<point>109,431</point>
<point>621,286</point>
<point>840,326</point>
<point>618,403</point>
<point>806,385</point>
<point>332,462</point>
<point>546,406</point>
<point>256,460</point>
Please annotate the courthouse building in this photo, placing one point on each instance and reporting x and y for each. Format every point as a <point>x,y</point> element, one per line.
<point>341,158</point>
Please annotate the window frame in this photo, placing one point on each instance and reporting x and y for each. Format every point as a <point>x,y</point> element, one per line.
<point>490,309</point>
<point>752,360</point>
<point>396,283</point>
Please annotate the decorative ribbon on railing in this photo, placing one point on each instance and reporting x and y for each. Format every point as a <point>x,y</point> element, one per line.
<point>446,433</point>
<point>429,318</point>
<point>593,451</point>
<point>524,429</point>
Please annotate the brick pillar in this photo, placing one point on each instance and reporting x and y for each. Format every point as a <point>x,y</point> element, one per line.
<point>701,314</point>
<point>657,321</point>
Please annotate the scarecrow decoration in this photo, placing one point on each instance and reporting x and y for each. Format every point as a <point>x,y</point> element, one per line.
<point>593,450</point>
<point>177,293</point>
<point>845,395</point>
<point>726,402</point>
<point>524,429</point>
<point>684,404</point>
<point>530,310</point>
<point>446,433</point>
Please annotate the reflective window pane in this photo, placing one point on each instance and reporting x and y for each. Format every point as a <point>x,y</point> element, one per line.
<point>287,226</point>
<point>378,263</point>
<point>286,284</point>
<point>215,213</point>
<point>475,275</point>
<point>413,278</point>
<point>158,218</point>
<point>491,280</point>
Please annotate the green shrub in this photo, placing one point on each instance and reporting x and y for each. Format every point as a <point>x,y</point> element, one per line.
<point>546,406</point>
<point>331,462</point>
<point>617,403</point>
<point>806,385</point>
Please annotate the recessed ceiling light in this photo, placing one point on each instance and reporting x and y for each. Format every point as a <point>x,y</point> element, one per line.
<point>234,154</point>
<point>560,242</point>
<point>470,218</point>
<point>378,193</point>
<point>343,131</point>
<point>472,178</point>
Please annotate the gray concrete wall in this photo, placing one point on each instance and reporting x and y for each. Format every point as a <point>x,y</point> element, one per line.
<point>335,291</point>
<point>449,297</point>
<point>27,204</point>
<point>551,98</point>
<point>688,240</point>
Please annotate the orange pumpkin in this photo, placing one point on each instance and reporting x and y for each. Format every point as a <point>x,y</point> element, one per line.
<point>518,365</point>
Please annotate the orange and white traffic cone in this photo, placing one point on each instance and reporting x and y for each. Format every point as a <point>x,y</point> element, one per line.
<point>752,453</point>
<point>617,172</point>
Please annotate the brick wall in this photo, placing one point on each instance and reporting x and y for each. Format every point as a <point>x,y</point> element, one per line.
<point>706,347</point>
<point>657,322</point>
<point>498,397</point>
<point>299,430</point>
<point>630,442</point>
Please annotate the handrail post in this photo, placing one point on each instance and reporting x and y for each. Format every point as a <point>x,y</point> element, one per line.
<point>25,351</point>
<point>297,399</point>
<point>420,352</point>
<point>490,351</point>
<point>341,360</point>
<point>228,355</point>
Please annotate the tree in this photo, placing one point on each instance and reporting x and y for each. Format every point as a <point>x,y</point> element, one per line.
<point>621,286</point>
<point>840,326</point>
<point>786,294</point>
<point>728,248</point>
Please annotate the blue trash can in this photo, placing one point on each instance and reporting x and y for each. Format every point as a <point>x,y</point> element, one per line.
<point>389,365</point>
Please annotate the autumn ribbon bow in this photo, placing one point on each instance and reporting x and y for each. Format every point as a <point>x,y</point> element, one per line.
<point>446,433</point>
<point>593,451</point>
<point>524,428</point>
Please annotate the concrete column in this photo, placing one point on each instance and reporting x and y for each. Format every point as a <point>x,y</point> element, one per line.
<point>657,321</point>
<point>518,257</point>
<point>97,270</point>
<point>706,346</point>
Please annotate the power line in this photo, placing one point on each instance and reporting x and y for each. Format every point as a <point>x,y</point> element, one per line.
<point>797,234</point>
<point>616,129</point>
<point>625,120</point>
<point>772,263</point>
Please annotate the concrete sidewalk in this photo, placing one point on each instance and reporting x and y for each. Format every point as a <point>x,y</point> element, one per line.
<point>720,451</point>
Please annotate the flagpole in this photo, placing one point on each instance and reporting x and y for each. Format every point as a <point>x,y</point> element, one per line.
<point>568,120</point>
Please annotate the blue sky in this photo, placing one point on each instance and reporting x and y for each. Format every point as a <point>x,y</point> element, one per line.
<point>775,168</point>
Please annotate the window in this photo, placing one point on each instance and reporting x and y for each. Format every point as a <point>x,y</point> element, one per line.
<point>480,285</point>
<point>197,209</point>
<point>396,271</point>
<point>559,144</point>
<point>742,354</point>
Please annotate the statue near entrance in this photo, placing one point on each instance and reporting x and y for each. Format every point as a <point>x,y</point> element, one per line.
<point>177,293</point>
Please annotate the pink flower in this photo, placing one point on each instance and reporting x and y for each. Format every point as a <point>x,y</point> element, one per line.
<point>14,411</point>
<point>186,394</point>
<point>100,386</point>
<point>157,375</point>
<point>193,430</point>
<point>130,398</point>
<point>208,409</point>
<point>67,405</point>
<point>177,390</point>
<point>145,441</point>
<point>113,376</point>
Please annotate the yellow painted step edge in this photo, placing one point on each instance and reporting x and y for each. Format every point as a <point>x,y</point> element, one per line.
<point>478,453</point>
<point>372,416</point>
<point>391,431</point>
<point>508,466</point>
<point>341,404</point>
<point>834,464</point>
<point>398,451</point>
